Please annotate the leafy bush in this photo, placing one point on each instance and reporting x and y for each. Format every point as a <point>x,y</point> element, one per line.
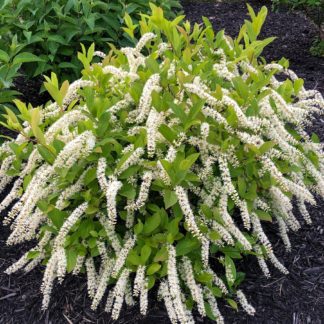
<point>298,3</point>
<point>159,167</point>
<point>10,63</point>
<point>53,30</point>
<point>317,48</point>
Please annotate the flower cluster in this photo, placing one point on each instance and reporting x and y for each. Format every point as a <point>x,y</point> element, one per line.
<point>160,168</point>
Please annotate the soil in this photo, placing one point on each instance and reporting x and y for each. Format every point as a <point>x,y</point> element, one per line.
<point>294,33</point>
<point>297,298</point>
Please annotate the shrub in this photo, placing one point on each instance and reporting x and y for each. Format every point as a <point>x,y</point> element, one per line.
<point>159,167</point>
<point>10,63</point>
<point>53,30</point>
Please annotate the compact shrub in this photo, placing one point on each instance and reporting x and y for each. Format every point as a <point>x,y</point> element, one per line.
<point>159,167</point>
<point>53,30</point>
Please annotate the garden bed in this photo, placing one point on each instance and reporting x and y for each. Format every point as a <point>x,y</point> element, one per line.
<point>296,298</point>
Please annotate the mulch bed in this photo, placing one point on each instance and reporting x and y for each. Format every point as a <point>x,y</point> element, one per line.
<point>297,298</point>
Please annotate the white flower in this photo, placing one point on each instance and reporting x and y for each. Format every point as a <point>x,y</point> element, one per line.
<point>72,92</point>
<point>195,289</point>
<point>133,159</point>
<point>13,194</point>
<point>261,261</point>
<point>122,255</point>
<point>229,188</point>
<point>68,119</point>
<point>48,280</point>
<point>188,213</point>
<point>144,40</point>
<point>102,283</point>
<point>78,265</point>
<point>283,233</point>
<point>99,54</point>
<point>244,303</point>
<point>229,223</point>
<point>258,231</point>
<point>61,263</point>
<point>139,280</point>
<point>111,193</point>
<point>80,147</point>
<point>152,84</point>
<point>152,124</point>
<point>119,293</point>
<point>213,305</point>
<point>304,212</point>
<point>119,73</point>
<point>70,191</point>
<point>144,299</point>
<point>174,285</point>
<point>164,293</point>
<point>92,277</point>
<point>110,231</point>
<point>277,263</point>
<point>124,103</point>
<point>144,190</point>
<point>70,221</point>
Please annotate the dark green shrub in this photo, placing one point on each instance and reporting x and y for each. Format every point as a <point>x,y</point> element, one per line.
<point>53,30</point>
<point>10,64</point>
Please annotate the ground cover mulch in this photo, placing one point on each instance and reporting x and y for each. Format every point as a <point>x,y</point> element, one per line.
<point>297,298</point>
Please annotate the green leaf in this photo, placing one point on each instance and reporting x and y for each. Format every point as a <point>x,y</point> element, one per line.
<point>161,255</point>
<point>133,258</point>
<point>187,163</point>
<point>230,270</point>
<point>204,277</point>
<point>32,255</point>
<point>71,259</point>
<point>298,84</point>
<point>264,215</point>
<point>232,303</point>
<point>4,57</point>
<point>46,154</point>
<point>26,57</point>
<point>168,133</point>
<point>315,138</point>
<point>128,191</point>
<point>266,146</point>
<point>152,223</point>
<point>150,282</point>
<point>57,217</point>
<point>186,245</point>
<point>138,228</point>
<point>209,312</point>
<point>241,186</point>
<point>170,198</point>
<point>145,253</point>
<point>154,267</point>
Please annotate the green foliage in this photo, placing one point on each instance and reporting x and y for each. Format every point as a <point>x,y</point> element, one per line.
<point>148,162</point>
<point>10,63</point>
<point>53,30</point>
<point>295,4</point>
<point>317,48</point>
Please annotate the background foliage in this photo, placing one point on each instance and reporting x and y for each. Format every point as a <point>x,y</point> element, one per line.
<point>53,30</point>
